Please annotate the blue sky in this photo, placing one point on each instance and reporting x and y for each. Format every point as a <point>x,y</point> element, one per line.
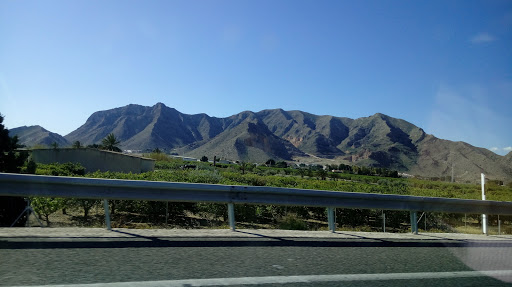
<point>445,66</point>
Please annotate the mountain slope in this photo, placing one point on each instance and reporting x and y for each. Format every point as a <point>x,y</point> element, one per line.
<point>437,156</point>
<point>378,140</point>
<point>382,141</point>
<point>317,135</point>
<point>249,140</point>
<point>509,157</point>
<point>37,135</point>
<point>124,122</point>
<point>139,127</point>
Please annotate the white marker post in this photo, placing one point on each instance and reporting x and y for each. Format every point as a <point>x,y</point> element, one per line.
<point>484,216</point>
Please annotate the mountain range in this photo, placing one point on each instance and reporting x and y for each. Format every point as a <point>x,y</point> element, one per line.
<point>378,140</point>
<point>37,136</point>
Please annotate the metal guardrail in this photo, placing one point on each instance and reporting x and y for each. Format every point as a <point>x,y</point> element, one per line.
<point>79,187</point>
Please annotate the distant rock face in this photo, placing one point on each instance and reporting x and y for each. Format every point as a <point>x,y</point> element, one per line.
<point>36,135</point>
<point>378,140</point>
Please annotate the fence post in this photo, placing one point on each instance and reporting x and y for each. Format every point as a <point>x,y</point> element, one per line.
<point>166,213</point>
<point>231,216</point>
<point>383,221</point>
<point>499,225</point>
<point>107,214</point>
<point>330,219</point>
<point>484,224</point>
<point>465,222</point>
<point>414,222</point>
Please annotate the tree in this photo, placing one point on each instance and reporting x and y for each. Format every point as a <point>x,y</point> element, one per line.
<point>243,166</point>
<point>111,143</point>
<point>77,144</point>
<point>55,145</point>
<point>46,206</point>
<point>157,150</point>
<point>281,164</point>
<point>322,173</point>
<point>31,167</point>
<point>302,172</point>
<point>85,204</point>
<point>270,162</point>
<point>204,158</point>
<point>10,161</point>
<point>345,168</point>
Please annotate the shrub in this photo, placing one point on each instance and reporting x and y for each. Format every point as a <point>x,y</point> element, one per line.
<point>292,222</point>
<point>46,206</point>
<point>61,169</point>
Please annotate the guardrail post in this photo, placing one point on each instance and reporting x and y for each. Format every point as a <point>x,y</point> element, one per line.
<point>231,216</point>
<point>331,219</point>
<point>484,216</point>
<point>484,224</point>
<point>383,221</point>
<point>414,222</point>
<point>107,214</point>
<point>167,213</point>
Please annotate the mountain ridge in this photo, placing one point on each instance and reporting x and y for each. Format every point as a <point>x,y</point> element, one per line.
<point>37,135</point>
<point>378,140</point>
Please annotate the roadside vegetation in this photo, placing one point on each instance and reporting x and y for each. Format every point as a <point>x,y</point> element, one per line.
<point>11,161</point>
<point>144,214</point>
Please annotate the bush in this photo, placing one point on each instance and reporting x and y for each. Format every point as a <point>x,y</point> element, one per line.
<point>61,169</point>
<point>159,156</point>
<point>46,206</point>
<point>85,204</point>
<point>292,222</point>
<point>214,209</point>
<point>204,176</point>
<point>30,167</point>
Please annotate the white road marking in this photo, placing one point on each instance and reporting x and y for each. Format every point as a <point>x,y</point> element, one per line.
<point>295,279</point>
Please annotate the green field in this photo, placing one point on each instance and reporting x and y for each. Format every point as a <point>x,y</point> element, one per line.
<point>208,215</point>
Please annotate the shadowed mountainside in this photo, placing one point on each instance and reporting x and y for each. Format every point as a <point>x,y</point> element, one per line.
<point>247,140</point>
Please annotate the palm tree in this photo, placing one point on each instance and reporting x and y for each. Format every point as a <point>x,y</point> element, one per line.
<point>110,143</point>
<point>243,166</point>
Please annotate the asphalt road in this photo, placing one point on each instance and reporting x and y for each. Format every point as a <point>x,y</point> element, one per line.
<point>35,256</point>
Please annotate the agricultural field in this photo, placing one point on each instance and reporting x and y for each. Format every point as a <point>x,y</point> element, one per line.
<point>143,214</point>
